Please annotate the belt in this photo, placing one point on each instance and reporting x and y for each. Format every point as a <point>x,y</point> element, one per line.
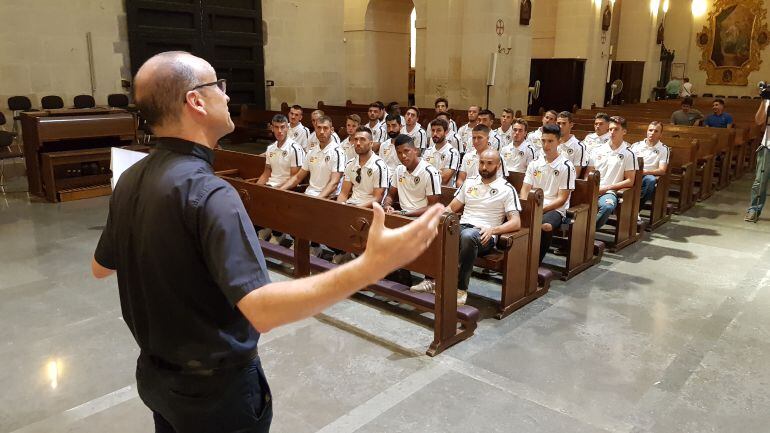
<point>194,367</point>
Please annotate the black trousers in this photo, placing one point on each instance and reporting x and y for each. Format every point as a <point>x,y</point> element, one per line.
<point>553,218</point>
<point>228,400</point>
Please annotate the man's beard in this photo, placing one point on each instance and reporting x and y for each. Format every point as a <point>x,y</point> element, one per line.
<point>437,140</point>
<point>487,174</point>
<point>393,134</point>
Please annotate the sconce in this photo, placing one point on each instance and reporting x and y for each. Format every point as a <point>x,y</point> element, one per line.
<point>502,50</point>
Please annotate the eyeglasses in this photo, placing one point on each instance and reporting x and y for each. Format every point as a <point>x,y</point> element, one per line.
<point>358,175</point>
<point>221,83</point>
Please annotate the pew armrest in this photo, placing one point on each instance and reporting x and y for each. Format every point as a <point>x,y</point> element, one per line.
<point>621,193</point>
<point>574,211</point>
<point>506,240</point>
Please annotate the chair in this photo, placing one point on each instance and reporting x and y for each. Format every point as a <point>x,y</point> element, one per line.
<point>7,150</point>
<point>52,102</point>
<point>84,101</point>
<point>17,104</point>
<point>117,100</point>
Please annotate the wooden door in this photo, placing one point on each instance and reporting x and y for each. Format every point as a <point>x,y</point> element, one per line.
<point>631,73</point>
<point>561,84</point>
<point>227,33</point>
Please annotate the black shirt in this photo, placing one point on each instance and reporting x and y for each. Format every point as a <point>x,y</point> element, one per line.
<point>185,252</point>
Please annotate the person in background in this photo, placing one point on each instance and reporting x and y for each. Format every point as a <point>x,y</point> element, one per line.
<point>720,119</point>
<point>672,88</point>
<point>686,115</point>
<point>686,91</point>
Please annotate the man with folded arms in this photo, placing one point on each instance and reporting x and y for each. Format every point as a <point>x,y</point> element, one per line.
<point>518,153</point>
<point>441,154</point>
<point>655,155</point>
<point>490,208</point>
<point>415,184</point>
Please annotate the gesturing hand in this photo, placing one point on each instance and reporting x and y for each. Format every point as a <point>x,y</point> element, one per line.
<point>389,249</point>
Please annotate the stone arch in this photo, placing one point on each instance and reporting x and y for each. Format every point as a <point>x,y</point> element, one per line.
<point>377,49</point>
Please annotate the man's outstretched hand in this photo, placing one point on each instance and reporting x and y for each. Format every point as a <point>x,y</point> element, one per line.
<point>390,249</point>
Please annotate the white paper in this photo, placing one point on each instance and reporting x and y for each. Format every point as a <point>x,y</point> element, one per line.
<point>122,160</point>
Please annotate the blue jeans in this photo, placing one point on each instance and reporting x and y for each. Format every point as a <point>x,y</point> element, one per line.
<point>761,178</point>
<point>470,248</point>
<point>648,188</point>
<point>607,204</point>
<point>227,400</point>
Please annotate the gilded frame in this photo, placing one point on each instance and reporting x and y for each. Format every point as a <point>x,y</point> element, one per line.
<point>731,42</point>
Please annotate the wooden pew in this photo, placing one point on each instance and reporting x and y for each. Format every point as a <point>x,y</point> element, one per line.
<point>346,227</point>
<point>626,230</point>
<point>576,239</point>
<point>516,257</point>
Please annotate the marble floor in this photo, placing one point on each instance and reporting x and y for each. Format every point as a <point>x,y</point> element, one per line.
<point>670,335</point>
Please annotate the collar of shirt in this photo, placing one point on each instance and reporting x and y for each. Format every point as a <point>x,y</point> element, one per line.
<point>421,164</point>
<point>186,147</point>
<point>372,159</point>
<point>556,162</point>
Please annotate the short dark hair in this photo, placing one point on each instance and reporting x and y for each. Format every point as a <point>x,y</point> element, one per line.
<point>375,105</point>
<point>720,100</point>
<point>402,139</point>
<point>487,112</point>
<point>565,115</point>
<point>552,129</point>
<point>416,110</point>
<point>554,112</point>
<point>380,104</point>
<point>686,80</point>
<point>603,116</point>
<point>295,107</point>
<point>354,117</point>
<point>324,119</point>
<point>445,113</point>
<point>364,129</point>
<point>441,100</point>
<point>687,101</point>
<point>391,105</point>
<point>440,122</point>
<point>481,128</point>
<point>620,120</point>
<point>160,101</point>
<point>521,121</point>
<point>279,118</point>
<point>508,111</point>
<point>393,117</point>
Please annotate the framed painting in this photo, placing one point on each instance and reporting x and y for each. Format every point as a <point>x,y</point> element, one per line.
<point>731,42</point>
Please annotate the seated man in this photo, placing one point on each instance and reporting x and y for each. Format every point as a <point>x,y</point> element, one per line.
<point>442,106</point>
<point>465,131</point>
<point>616,164</point>
<point>569,146</point>
<point>283,159</point>
<point>376,124</point>
<point>719,119</point>
<point>555,175</point>
<point>366,176</point>
<point>387,149</point>
<point>441,154</point>
<point>490,208</point>
<point>518,153</point>
<point>352,122</point>
<point>451,136</point>
<point>487,117</point>
<point>686,115</point>
<point>324,163</point>
<point>414,129</point>
<point>601,132</point>
<point>549,118</point>
<point>313,140</point>
<point>414,183</point>
<point>297,131</point>
<point>469,167</point>
<point>505,131</point>
<point>655,155</point>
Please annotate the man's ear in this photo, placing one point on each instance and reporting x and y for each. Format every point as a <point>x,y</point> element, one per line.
<point>196,102</point>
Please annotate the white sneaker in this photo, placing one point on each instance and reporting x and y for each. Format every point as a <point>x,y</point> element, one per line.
<point>424,286</point>
<point>276,240</point>
<point>264,234</point>
<point>462,296</point>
